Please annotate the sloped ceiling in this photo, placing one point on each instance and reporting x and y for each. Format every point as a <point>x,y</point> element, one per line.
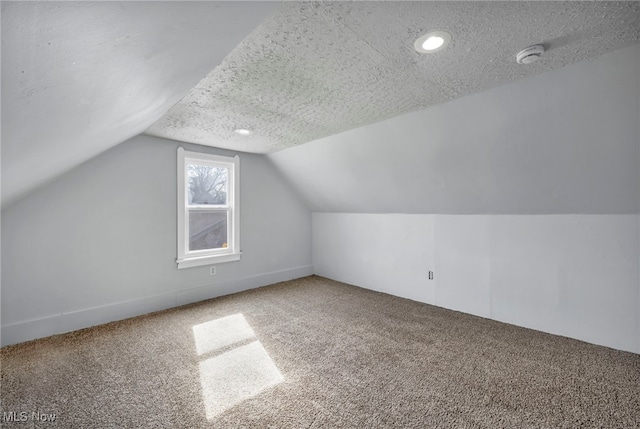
<point>562,142</point>
<point>318,68</point>
<point>79,77</point>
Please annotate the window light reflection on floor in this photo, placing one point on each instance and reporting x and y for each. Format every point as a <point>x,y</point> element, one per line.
<point>232,370</point>
<point>219,333</point>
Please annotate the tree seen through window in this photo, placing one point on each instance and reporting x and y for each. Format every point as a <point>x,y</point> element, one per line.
<point>207,184</point>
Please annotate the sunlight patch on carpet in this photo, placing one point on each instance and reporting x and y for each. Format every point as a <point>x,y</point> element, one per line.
<point>219,333</point>
<point>234,375</point>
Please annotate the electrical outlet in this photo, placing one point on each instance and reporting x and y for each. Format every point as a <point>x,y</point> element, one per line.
<point>212,271</point>
<point>430,275</point>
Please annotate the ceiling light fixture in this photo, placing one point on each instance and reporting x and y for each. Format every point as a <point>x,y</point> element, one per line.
<point>243,131</point>
<point>432,41</point>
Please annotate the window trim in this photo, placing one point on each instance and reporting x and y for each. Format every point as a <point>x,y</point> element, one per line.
<point>185,258</point>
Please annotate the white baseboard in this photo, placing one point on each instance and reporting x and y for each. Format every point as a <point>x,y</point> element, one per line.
<point>187,296</point>
<point>66,322</point>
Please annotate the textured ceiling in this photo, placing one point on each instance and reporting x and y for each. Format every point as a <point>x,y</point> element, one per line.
<point>79,77</point>
<point>315,69</point>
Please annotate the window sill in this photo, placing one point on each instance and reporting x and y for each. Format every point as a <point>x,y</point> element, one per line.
<point>207,260</point>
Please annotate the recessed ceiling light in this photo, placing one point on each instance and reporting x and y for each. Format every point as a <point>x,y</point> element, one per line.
<point>432,41</point>
<point>243,131</point>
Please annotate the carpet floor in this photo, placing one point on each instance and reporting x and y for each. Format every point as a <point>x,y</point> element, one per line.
<point>315,353</point>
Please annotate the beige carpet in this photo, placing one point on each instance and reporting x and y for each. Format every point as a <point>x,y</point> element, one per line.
<point>314,353</point>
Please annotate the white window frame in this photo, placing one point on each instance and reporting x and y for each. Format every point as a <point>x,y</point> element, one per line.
<point>232,252</point>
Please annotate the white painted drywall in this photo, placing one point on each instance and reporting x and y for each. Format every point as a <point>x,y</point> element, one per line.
<point>387,256</point>
<point>80,77</point>
<point>571,275</point>
<point>565,141</point>
<point>99,243</point>
<point>524,200</point>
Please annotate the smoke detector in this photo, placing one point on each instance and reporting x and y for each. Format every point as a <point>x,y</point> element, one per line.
<point>530,54</point>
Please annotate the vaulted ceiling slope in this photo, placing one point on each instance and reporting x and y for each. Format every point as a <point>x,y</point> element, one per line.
<point>79,77</point>
<point>563,142</point>
<point>314,69</point>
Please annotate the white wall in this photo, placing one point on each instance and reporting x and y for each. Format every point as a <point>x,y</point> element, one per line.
<point>565,141</point>
<point>571,275</point>
<point>523,199</point>
<point>99,243</point>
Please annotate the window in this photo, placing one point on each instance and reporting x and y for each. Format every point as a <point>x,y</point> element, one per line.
<point>208,209</point>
